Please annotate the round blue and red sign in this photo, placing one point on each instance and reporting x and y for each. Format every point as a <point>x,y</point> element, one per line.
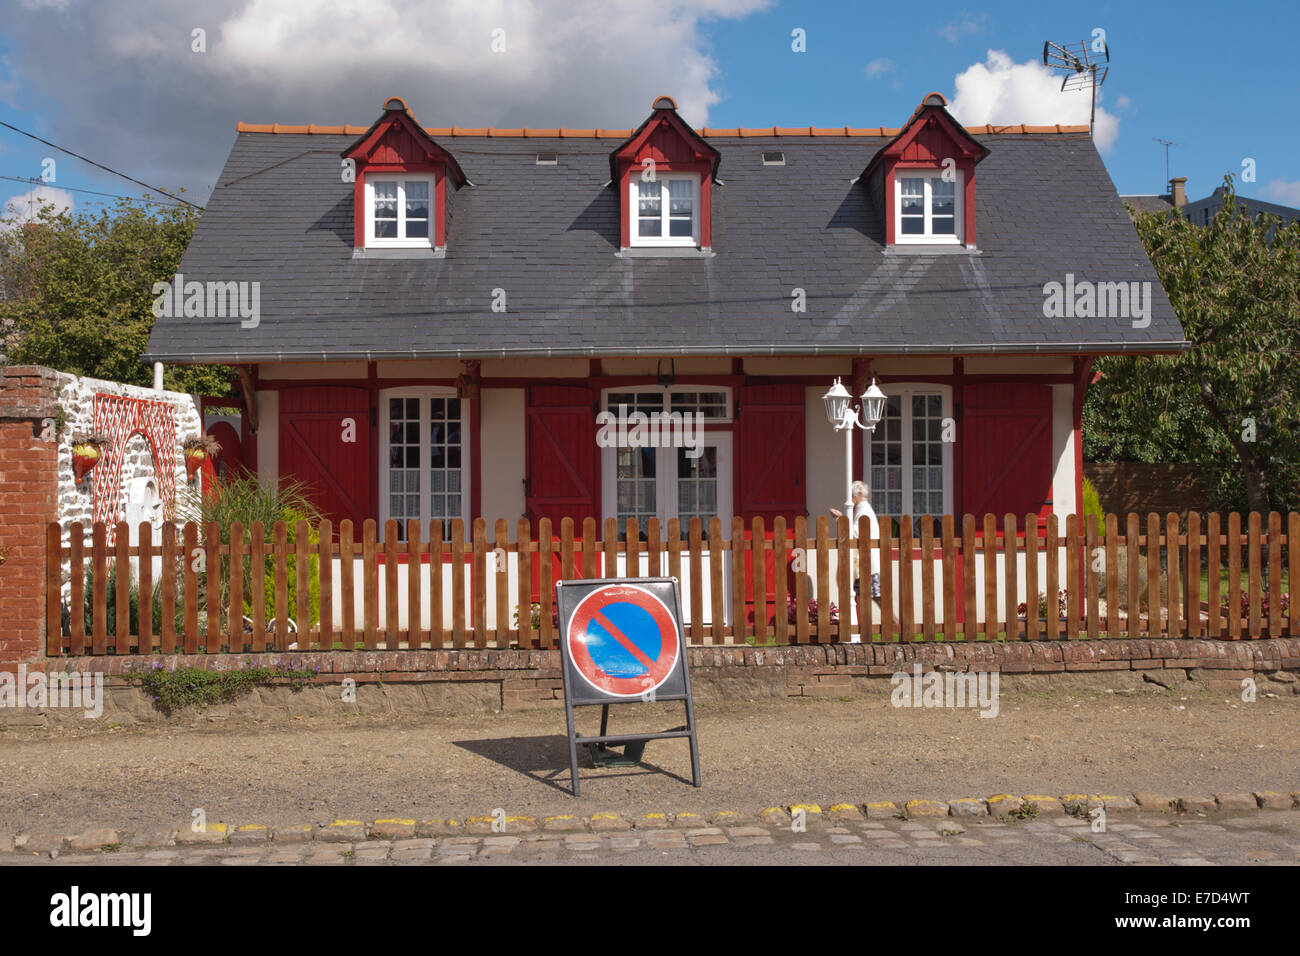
<point>622,641</point>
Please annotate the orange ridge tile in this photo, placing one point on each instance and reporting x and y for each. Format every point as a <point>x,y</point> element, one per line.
<point>707,131</point>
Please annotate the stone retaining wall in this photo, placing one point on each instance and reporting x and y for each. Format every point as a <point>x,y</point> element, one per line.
<point>489,680</point>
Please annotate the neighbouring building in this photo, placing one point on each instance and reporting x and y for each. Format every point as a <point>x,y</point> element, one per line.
<point>1200,211</point>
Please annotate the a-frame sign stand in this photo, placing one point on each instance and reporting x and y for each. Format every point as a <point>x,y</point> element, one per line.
<point>622,642</point>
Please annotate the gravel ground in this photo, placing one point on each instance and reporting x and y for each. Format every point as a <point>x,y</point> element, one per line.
<point>753,755</point>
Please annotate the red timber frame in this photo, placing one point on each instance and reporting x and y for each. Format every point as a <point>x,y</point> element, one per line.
<point>930,137</point>
<point>674,147</point>
<point>597,381</point>
<point>397,144</point>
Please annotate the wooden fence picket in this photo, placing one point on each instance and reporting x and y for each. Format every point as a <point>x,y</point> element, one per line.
<point>216,595</point>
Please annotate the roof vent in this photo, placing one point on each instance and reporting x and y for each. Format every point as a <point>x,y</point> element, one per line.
<point>394,103</point>
<point>773,159</point>
<point>665,103</point>
<point>548,159</point>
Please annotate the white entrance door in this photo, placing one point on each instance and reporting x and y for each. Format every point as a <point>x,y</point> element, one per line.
<point>664,483</point>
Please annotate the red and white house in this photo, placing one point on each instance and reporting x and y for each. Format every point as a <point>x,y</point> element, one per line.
<point>444,313</point>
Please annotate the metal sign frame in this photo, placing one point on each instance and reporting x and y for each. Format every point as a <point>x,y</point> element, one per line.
<point>581,692</point>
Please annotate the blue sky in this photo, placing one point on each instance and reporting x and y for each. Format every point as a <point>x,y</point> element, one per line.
<point>119,80</point>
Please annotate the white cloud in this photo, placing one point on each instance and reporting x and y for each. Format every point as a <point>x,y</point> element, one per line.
<point>968,25</point>
<point>128,90</point>
<point>999,91</point>
<point>24,206</point>
<point>1124,104</point>
<point>1283,191</point>
<point>879,67</point>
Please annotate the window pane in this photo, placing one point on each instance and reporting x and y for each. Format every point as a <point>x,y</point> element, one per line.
<point>417,199</point>
<point>681,206</point>
<point>417,229</point>
<point>681,227</point>
<point>385,210</point>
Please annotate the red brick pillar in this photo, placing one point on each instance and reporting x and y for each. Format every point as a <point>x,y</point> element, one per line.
<point>29,476</point>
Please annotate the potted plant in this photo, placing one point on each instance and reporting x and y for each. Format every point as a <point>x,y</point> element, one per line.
<point>87,450</point>
<point>196,449</point>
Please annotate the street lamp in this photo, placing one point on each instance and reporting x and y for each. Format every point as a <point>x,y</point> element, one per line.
<point>844,417</point>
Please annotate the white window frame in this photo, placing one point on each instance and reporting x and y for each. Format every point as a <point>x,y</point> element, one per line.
<point>634,209</point>
<point>373,242</point>
<point>666,491</point>
<point>928,238</point>
<point>905,391</point>
<point>668,390</point>
<point>424,393</point>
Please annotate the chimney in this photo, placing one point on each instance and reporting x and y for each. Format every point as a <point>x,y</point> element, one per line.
<point>1178,191</point>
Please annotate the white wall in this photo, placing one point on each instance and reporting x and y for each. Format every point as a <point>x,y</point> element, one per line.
<point>502,468</point>
<point>824,454</point>
<point>77,397</point>
<point>1063,470</point>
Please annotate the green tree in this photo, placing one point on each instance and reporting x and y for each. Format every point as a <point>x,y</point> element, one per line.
<point>1232,402</point>
<point>76,291</point>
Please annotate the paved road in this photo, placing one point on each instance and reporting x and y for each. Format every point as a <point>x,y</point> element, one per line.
<point>1261,837</point>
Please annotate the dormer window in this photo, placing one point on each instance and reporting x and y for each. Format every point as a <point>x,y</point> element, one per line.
<point>398,211</point>
<point>927,208</point>
<point>401,180</point>
<point>663,174</point>
<point>668,211</point>
<point>925,180</point>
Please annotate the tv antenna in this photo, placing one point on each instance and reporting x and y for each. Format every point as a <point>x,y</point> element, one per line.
<point>1085,66</point>
<point>1166,143</point>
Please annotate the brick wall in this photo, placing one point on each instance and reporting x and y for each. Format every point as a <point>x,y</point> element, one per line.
<point>28,501</point>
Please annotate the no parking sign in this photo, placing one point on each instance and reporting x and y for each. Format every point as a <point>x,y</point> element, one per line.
<point>622,641</point>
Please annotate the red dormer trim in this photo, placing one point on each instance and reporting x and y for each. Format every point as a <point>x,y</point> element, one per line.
<point>396,143</point>
<point>675,148</point>
<point>930,137</point>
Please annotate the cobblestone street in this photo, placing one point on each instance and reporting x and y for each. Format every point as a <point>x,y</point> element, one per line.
<point>1261,837</point>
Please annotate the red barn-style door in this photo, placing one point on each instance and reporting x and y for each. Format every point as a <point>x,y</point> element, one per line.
<point>340,474</point>
<point>562,473</point>
<point>770,464</point>
<point>1006,450</point>
<point>562,465</point>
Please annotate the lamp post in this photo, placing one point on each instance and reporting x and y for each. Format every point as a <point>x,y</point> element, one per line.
<point>841,413</point>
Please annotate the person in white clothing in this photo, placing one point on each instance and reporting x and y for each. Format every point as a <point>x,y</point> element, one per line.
<point>861,494</point>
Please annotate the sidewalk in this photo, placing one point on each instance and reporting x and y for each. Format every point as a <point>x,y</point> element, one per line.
<point>753,756</point>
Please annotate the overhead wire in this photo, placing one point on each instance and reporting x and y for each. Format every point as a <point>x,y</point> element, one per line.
<point>109,169</point>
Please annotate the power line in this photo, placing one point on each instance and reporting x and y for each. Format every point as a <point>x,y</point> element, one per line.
<point>73,189</point>
<point>108,169</point>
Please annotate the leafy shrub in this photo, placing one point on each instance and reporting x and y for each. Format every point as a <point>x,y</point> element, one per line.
<point>242,498</point>
<point>1092,503</point>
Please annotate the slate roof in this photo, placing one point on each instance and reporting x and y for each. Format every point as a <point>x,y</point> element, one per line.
<point>280,215</point>
<point>1151,204</point>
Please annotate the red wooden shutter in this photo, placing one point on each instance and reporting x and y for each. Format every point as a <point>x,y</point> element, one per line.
<point>1006,449</point>
<point>340,475</point>
<point>562,468</point>
<point>770,453</point>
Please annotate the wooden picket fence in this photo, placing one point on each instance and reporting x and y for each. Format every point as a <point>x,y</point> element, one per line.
<point>938,583</point>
